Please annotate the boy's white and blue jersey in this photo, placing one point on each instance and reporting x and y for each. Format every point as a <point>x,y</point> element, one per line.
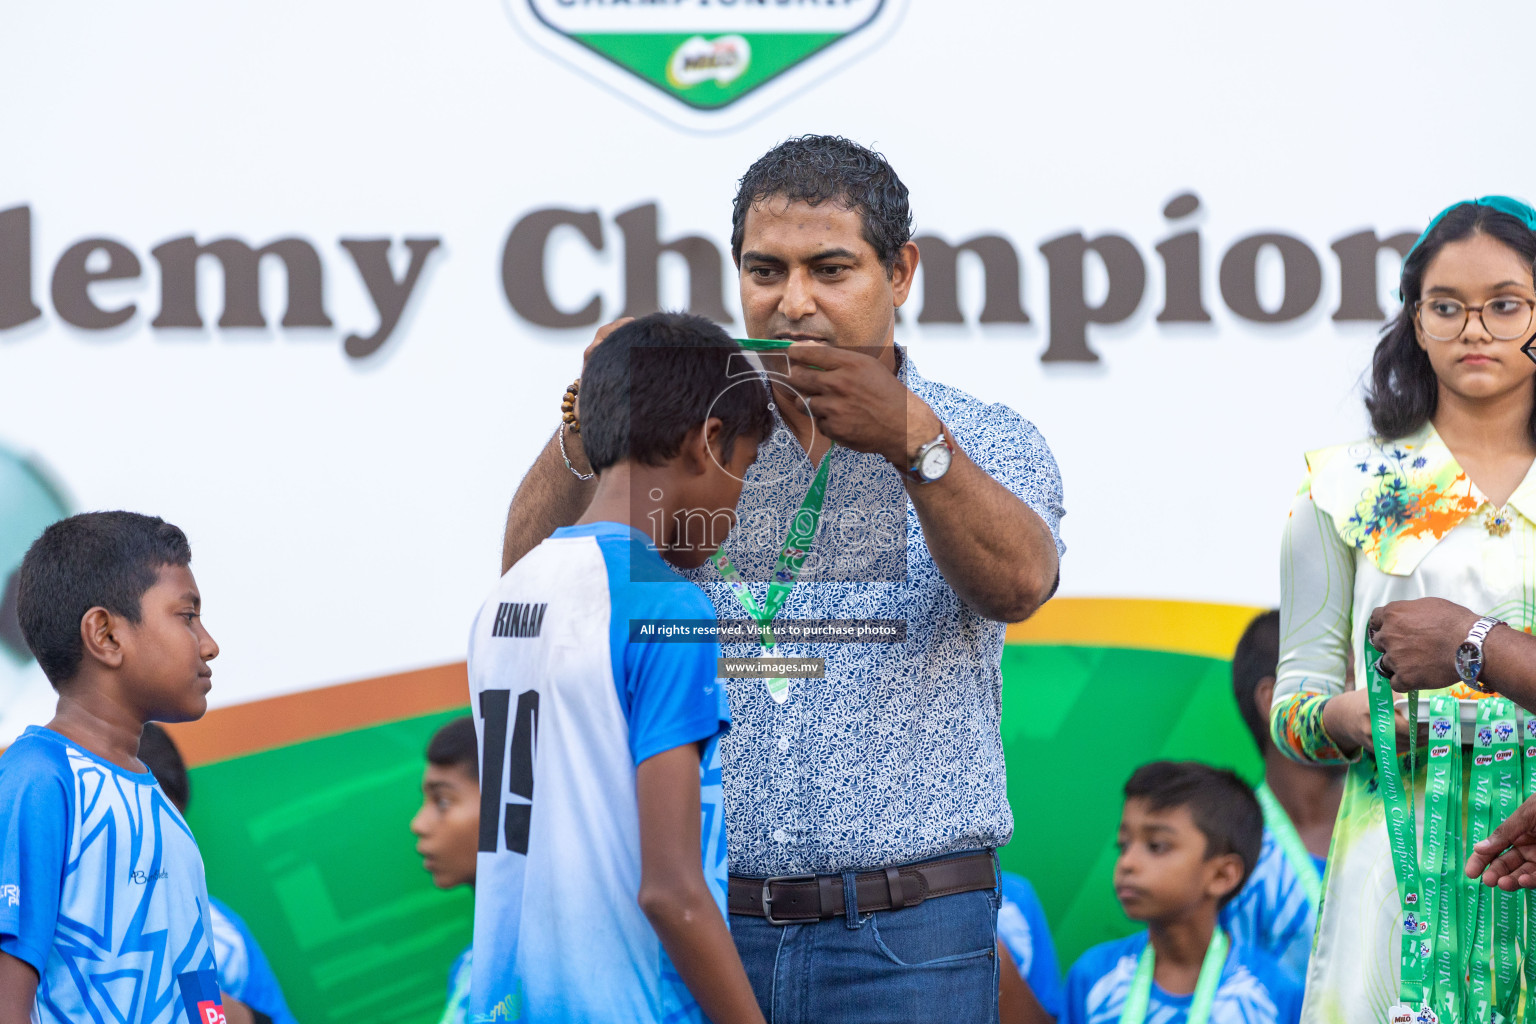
<point>1253,989</point>
<point>101,890</point>
<point>1272,912</point>
<point>566,706</point>
<point>1021,926</point>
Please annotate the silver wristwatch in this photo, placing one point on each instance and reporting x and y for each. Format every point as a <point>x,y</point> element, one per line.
<point>933,460</point>
<point>1469,656</point>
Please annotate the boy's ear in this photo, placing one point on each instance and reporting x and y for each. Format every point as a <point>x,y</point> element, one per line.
<point>702,447</point>
<point>1223,874</point>
<point>97,633</point>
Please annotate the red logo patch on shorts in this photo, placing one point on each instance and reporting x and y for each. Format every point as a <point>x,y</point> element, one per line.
<point>209,1012</point>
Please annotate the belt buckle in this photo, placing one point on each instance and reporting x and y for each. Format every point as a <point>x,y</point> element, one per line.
<point>768,900</point>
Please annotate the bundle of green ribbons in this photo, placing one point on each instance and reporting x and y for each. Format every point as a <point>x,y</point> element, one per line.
<point>1461,939</point>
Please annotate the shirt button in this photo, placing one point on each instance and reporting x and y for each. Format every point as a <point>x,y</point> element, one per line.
<point>780,836</point>
<point>783,744</point>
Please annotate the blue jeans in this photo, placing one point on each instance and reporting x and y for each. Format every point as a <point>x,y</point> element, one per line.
<point>935,961</point>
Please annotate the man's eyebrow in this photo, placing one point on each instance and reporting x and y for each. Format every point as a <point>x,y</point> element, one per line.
<point>759,257</point>
<point>192,597</point>
<point>834,254</point>
<point>1155,827</point>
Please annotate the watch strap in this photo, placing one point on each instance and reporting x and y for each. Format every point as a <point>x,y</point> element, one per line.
<point>1475,637</point>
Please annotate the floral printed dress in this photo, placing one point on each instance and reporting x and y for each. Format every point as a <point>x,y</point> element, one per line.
<point>1375,522</point>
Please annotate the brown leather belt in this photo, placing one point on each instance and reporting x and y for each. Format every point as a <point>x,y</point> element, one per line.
<point>787,899</point>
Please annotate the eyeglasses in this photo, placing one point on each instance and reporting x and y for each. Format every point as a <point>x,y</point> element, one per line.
<point>1505,318</point>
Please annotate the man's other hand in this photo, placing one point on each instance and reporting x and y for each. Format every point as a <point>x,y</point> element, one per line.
<point>1507,858</point>
<point>1418,641</point>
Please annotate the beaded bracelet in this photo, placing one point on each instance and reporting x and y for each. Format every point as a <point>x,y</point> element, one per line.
<point>568,405</point>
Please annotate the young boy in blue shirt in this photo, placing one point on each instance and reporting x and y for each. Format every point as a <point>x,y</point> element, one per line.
<point>600,887</point>
<point>1189,836</point>
<point>447,831</point>
<point>103,905</point>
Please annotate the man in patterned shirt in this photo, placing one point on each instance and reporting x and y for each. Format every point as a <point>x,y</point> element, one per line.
<point>862,807</point>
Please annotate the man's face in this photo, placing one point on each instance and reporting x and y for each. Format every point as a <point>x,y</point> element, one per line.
<point>447,827</point>
<point>1163,868</point>
<point>807,273</point>
<point>166,653</point>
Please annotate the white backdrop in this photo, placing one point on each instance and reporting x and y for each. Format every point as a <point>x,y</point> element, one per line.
<point>346,513</point>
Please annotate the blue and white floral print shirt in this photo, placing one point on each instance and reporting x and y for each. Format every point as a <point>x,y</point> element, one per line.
<point>895,755</point>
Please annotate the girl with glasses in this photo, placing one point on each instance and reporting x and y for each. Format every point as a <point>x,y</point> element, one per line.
<point>1440,501</point>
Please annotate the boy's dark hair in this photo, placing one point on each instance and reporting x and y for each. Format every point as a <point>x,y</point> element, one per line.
<point>164,762</point>
<point>1224,809</point>
<point>818,169</point>
<point>1257,657</point>
<point>96,558</point>
<point>655,379</point>
<point>454,746</point>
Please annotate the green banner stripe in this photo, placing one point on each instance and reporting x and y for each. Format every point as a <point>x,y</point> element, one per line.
<point>310,843</point>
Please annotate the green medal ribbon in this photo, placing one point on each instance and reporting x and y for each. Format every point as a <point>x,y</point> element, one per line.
<point>1529,789</point>
<point>786,569</point>
<point>1401,827</point>
<point>1441,868</point>
<point>763,344</point>
<point>1140,995</point>
<point>1506,905</point>
<point>1479,809</point>
<point>1302,864</point>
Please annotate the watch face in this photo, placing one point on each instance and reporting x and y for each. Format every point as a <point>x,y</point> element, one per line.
<point>1469,662</point>
<point>935,462</point>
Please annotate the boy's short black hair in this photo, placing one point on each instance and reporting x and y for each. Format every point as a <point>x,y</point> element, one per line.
<point>816,169</point>
<point>106,559</point>
<point>454,746</point>
<point>1257,657</point>
<point>655,379</point>
<point>164,762</point>
<point>1222,805</point>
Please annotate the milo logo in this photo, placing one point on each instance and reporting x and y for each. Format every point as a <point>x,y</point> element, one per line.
<point>1443,750</point>
<point>1483,759</point>
<point>1504,755</point>
<point>690,60</point>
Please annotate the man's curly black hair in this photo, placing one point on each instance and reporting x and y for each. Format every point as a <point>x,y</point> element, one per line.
<point>817,169</point>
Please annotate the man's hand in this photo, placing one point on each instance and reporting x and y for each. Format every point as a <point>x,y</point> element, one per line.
<point>1507,858</point>
<point>18,990</point>
<point>1418,641</point>
<point>858,402</point>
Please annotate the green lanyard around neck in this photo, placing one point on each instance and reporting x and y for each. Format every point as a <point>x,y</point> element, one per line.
<point>1302,864</point>
<point>1140,995</point>
<point>786,569</point>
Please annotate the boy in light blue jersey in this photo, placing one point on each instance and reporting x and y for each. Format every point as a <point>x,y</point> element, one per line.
<point>1277,910</point>
<point>600,886</point>
<point>447,831</point>
<point>103,906</point>
<point>1189,836</point>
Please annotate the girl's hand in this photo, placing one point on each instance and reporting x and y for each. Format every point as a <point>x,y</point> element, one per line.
<point>1347,720</point>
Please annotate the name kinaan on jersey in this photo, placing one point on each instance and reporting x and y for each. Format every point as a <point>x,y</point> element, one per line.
<point>518,619</point>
